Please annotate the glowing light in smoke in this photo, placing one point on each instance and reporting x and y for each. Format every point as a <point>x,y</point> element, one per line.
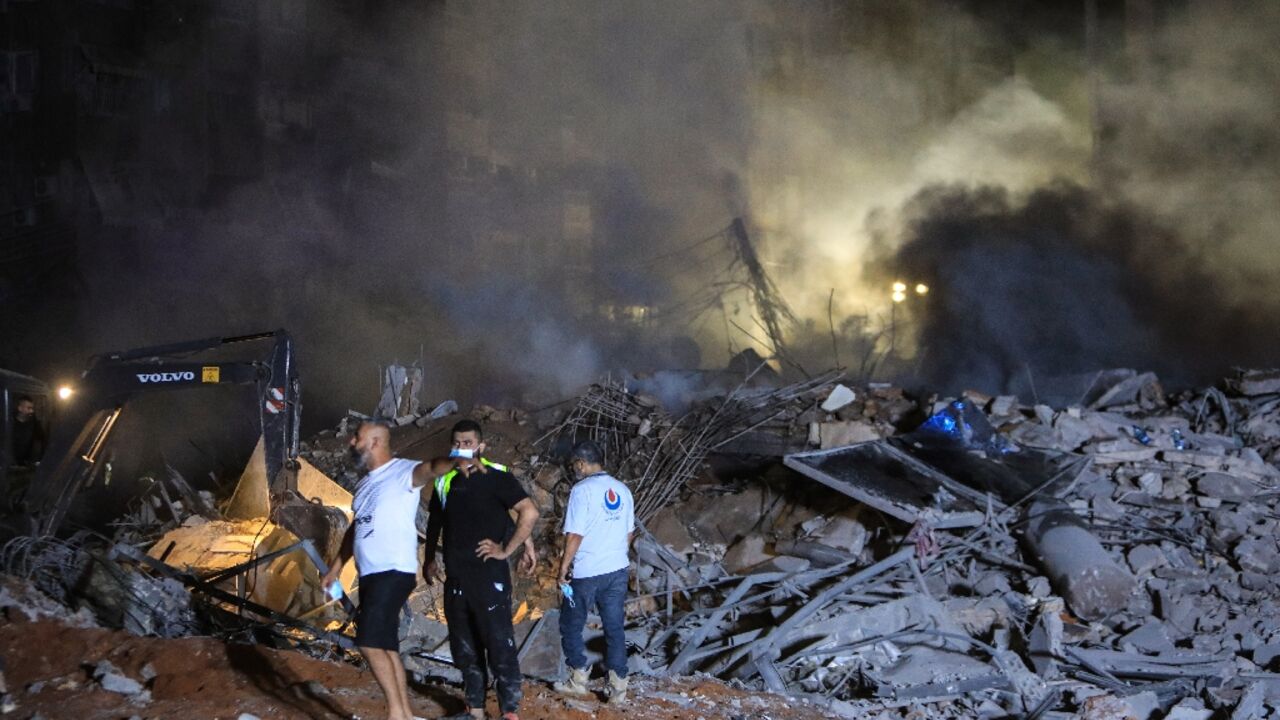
<point>899,287</point>
<point>64,392</point>
<point>898,296</point>
<point>921,289</point>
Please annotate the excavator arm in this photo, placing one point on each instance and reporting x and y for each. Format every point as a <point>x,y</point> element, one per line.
<point>113,379</point>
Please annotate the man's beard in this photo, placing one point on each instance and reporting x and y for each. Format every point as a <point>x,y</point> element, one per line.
<point>361,459</point>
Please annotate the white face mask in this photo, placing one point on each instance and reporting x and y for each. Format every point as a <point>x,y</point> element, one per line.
<point>468,453</point>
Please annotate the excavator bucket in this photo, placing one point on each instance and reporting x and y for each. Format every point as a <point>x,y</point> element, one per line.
<point>311,506</point>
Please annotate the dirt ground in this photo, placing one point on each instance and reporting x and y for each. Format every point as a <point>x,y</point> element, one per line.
<point>48,672</point>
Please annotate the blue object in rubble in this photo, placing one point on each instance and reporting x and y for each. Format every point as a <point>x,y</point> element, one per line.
<point>1140,434</point>
<point>1179,441</point>
<point>966,425</point>
<point>945,424</point>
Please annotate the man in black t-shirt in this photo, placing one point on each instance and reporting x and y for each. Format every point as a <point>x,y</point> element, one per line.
<point>471,506</point>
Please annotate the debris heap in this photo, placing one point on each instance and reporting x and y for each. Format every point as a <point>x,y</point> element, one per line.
<point>878,555</point>
<point>1117,559</point>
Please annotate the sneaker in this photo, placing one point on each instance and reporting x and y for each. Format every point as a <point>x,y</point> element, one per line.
<point>576,684</point>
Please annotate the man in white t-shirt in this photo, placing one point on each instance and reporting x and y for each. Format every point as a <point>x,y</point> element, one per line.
<point>598,527</point>
<point>383,537</point>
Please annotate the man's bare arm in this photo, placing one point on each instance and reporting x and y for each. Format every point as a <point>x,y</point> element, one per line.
<point>526,517</point>
<point>345,550</point>
<point>571,543</point>
<point>529,561</point>
<point>427,471</point>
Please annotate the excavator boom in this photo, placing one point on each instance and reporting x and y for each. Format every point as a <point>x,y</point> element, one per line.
<point>113,379</point>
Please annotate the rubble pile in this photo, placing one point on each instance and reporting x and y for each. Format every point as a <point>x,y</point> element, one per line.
<point>874,554</point>
<point>1171,501</point>
<point>972,557</point>
<point>656,455</point>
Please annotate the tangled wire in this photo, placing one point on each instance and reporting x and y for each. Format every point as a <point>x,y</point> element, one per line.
<point>51,564</point>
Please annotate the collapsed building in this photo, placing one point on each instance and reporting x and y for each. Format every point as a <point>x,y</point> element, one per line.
<point>873,553</point>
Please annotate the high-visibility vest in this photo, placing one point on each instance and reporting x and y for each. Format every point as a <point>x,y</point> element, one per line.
<point>444,482</point>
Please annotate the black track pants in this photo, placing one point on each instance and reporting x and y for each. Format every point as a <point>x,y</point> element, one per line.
<point>480,635</point>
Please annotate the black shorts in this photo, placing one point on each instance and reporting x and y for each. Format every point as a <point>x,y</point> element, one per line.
<point>382,595</point>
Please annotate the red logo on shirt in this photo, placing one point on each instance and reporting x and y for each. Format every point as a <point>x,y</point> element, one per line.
<point>612,500</point>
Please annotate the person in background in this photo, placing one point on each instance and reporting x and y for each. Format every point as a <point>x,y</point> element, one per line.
<point>28,436</point>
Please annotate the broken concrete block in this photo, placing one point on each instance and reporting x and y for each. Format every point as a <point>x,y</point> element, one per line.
<point>1175,488</point>
<point>1178,611</point>
<point>746,553</point>
<point>1145,558</point>
<point>1150,637</point>
<point>1104,508</point>
<point>1263,655</point>
<point>724,518</point>
<point>1225,487</point>
<point>838,398</point>
<point>1044,414</point>
<point>1263,528</point>
<point>113,680</point>
<point>1256,582</point>
<point>1034,435</point>
<point>1251,702</point>
<point>1004,405</point>
<point>1143,388</point>
<point>1229,525</point>
<point>1150,483</point>
<point>844,533</point>
<point>1044,643</point>
<point>1258,555</point>
<point>1143,705</point>
<point>1188,709</point>
<point>993,583</point>
<point>1257,382</point>
<point>841,434</point>
<point>668,529</point>
<point>1071,432</point>
<point>1105,707</point>
<point>1038,587</point>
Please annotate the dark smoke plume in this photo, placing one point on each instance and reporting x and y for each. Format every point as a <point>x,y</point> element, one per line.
<point>1062,282</point>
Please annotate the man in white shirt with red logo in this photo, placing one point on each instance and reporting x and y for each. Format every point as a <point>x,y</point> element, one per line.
<point>383,537</point>
<point>599,523</point>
